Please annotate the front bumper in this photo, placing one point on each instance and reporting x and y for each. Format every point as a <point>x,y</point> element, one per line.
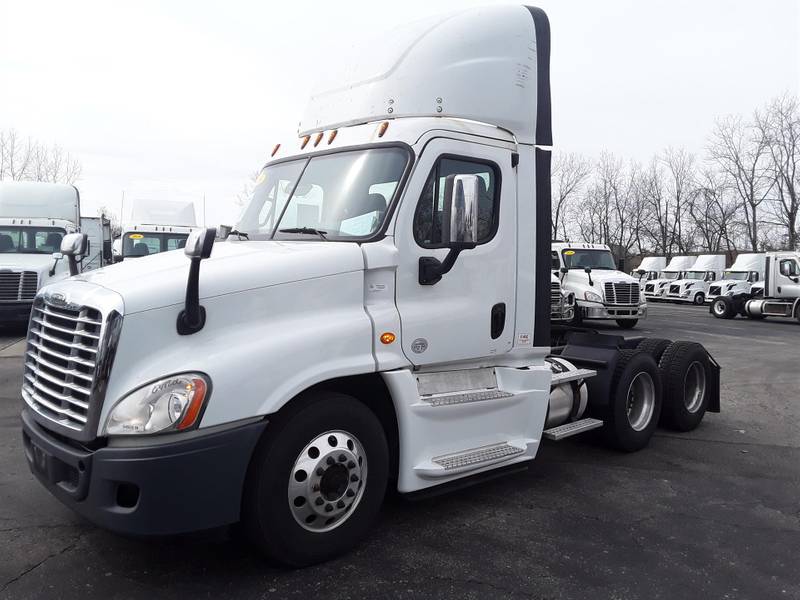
<point>15,311</point>
<point>610,311</point>
<point>161,489</point>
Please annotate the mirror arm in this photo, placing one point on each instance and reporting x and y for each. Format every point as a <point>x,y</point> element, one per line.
<point>52,270</point>
<point>431,269</point>
<point>193,317</point>
<point>73,265</point>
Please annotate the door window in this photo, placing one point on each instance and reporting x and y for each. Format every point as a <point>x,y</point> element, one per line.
<point>428,215</point>
<point>789,268</point>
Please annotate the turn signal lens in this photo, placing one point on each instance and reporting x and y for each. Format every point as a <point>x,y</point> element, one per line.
<point>388,337</point>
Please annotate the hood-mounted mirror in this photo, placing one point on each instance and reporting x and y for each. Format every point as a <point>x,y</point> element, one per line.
<point>74,246</point>
<point>198,247</point>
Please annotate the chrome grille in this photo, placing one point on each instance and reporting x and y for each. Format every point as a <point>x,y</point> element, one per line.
<point>714,290</point>
<point>622,293</point>
<point>61,361</point>
<point>649,288</point>
<point>675,288</point>
<point>555,296</point>
<point>18,286</point>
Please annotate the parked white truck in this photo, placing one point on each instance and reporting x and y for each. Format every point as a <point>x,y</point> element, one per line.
<point>693,285</point>
<point>657,288</point>
<point>601,291</point>
<point>34,217</point>
<point>779,296</point>
<point>381,316</point>
<point>649,269</point>
<point>746,270</point>
<point>156,226</point>
<point>562,304</point>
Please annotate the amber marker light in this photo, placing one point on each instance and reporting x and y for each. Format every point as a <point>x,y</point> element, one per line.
<point>332,135</point>
<point>304,143</point>
<point>318,139</point>
<point>275,149</point>
<point>382,128</point>
<point>388,337</point>
<point>195,404</point>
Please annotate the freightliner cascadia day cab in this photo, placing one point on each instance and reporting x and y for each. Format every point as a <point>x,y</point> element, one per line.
<point>156,226</point>
<point>649,269</point>
<point>746,271</point>
<point>34,217</point>
<point>562,304</point>
<point>777,296</point>
<point>657,288</point>
<point>601,291</point>
<point>380,316</point>
<point>695,281</point>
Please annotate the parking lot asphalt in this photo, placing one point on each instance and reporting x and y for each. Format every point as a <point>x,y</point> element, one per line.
<point>713,513</point>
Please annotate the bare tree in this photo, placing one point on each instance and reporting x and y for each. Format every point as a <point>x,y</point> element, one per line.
<point>742,153</point>
<point>713,212</point>
<point>570,172</point>
<point>28,160</point>
<point>679,165</point>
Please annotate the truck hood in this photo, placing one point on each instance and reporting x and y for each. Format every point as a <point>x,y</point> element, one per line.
<point>26,262</point>
<point>160,280</point>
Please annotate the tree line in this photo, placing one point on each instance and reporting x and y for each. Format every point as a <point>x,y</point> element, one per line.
<point>25,159</point>
<point>740,194</point>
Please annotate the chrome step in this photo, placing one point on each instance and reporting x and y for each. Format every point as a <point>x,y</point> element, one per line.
<point>567,376</point>
<point>477,457</point>
<point>465,397</point>
<point>570,429</point>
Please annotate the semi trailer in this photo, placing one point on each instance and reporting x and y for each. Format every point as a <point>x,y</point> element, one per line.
<point>779,296</point>
<point>657,288</point>
<point>380,316</point>
<point>695,281</point>
<point>747,270</point>
<point>34,217</point>
<point>649,269</point>
<point>156,226</point>
<point>601,291</point>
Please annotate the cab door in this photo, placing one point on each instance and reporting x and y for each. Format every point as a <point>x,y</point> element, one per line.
<point>469,314</point>
<point>787,278</point>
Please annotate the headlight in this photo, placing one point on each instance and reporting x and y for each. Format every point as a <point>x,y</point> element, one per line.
<point>169,404</point>
<point>592,297</point>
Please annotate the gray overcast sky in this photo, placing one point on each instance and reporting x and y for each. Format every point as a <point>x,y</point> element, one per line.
<point>180,99</point>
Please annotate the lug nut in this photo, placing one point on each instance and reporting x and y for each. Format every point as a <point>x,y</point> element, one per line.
<point>353,477</point>
<point>328,507</point>
<point>342,458</point>
<point>319,501</point>
<point>320,471</point>
<point>351,464</point>
<point>330,460</point>
<point>315,487</point>
<point>349,493</point>
<point>340,504</point>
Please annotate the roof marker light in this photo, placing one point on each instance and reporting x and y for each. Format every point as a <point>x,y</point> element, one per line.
<point>317,139</point>
<point>275,149</point>
<point>332,135</point>
<point>304,143</point>
<point>382,128</point>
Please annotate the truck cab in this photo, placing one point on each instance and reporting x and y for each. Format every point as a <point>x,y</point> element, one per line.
<point>155,227</point>
<point>695,282</point>
<point>649,269</point>
<point>656,289</point>
<point>601,291</point>
<point>746,270</point>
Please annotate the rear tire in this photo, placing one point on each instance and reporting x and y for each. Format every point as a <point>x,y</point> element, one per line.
<point>296,509</point>
<point>635,402</point>
<point>655,347</point>
<point>627,323</point>
<point>685,374</point>
<point>723,308</point>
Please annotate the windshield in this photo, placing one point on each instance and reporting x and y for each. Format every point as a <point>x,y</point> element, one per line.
<point>344,195</point>
<point>670,274</point>
<point>31,240</point>
<point>135,243</point>
<point>695,275</point>
<point>737,275</point>
<point>593,259</point>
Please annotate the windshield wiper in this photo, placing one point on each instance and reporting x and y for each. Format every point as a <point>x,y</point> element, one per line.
<point>239,234</point>
<point>309,230</point>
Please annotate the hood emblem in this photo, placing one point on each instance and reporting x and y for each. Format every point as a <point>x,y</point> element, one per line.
<point>57,298</point>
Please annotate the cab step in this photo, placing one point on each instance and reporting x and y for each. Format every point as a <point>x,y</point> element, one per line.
<point>472,459</point>
<point>567,376</point>
<point>569,429</point>
<point>465,397</point>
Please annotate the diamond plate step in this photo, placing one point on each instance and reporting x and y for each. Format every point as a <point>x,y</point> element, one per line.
<point>567,376</point>
<point>570,429</point>
<point>477,457</point>
<point>465,397</point>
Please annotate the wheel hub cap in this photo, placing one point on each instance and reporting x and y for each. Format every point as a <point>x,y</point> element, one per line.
<point>641,401</point>
<point>694,387</point>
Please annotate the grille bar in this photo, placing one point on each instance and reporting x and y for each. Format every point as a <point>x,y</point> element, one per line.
<point>66,412</point>
<point>68,317</point>
<point>56,340</point>
<point>622,293</point>
<point>39,374</point>
<point>50,351</point>
<point>18,286</point>
<point>46,363</point>
<point>54,327</point>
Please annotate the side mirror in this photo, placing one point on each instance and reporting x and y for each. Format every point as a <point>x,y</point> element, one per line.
<point>640,272</point>
<point>198,246</point>
<point>588,271</point>
<point>224,231</point>
<point>74,246</point>
<point>57,256</point>
<point>459,225</point>
<point>564,270</point>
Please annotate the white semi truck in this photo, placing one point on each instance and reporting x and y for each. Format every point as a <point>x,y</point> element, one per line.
<point>156,226</point>
<point>657,288</point>
<point>380,317</point>
<point>747,270</point>
<point>779,296</point>
<point>34,217</point>
<point>649,269</point>
<point>695,281</point>
<point>601,291</point>
<point>562,303</point>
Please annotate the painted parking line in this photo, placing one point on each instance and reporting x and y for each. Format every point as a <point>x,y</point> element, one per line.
<point>14,349</point>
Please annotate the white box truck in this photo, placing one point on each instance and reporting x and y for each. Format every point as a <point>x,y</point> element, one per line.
<point>693,285</point>
<point>155,226</point>
<point>746,270</point>
<point>34,217</point>
<point>777,296</point>
<point>380,318</point>
<point>649,269</point>
<point>656,289</point>
<point>601,291</point>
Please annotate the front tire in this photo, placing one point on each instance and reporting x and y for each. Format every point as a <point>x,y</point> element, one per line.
<point>317,480</point>
<point>699,299</point>
<point>723,308</point>
<point>627,323</point>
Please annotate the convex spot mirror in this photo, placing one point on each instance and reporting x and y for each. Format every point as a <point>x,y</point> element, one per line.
<point>75,244</point>
<point>460,218</point>
<point>199,243</point>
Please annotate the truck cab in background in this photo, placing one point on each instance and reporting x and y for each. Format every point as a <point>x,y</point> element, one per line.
<point>779,296</point>
<point>601,291</point>
<point>562,303</point>
<point>34,218</point>
<point>155,227</point>
<point>656,289</point>
<point>746,270</point>
<point>649,269</point>
<point>696,280</point>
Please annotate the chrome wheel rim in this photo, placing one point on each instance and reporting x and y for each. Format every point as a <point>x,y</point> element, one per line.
<point>694,387</point>
<point>641,401</point>
<point>719,308</point>
<point>327,481</point>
